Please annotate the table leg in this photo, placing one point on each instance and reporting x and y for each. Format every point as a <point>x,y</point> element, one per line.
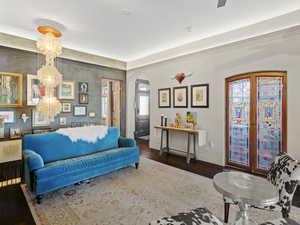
<point>195,146</point>
<point>242,216</point>
<point>168,147</point>
<point>188,150</point>
<point>161,142</point>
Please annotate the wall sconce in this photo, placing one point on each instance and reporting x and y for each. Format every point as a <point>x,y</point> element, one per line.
<point>180,77</point>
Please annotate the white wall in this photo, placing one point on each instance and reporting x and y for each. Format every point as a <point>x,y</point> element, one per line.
<point>276,51</point>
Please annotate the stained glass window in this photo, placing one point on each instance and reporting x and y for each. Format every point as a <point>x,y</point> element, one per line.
<point>239,121</point>
<point>269,119</point>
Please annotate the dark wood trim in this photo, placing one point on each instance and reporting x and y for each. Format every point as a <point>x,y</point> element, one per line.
<point>253,116</point>
<point>187,97</point>
<point>10,139</point>
<point>207,95</point>
<point>226,133</point>
<point>164,89</point>
<point>284,113</point>
<point>253,123</point>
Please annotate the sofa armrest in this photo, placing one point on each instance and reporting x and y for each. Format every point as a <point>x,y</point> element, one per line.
<point>33,160</point>
<point>127,142</point>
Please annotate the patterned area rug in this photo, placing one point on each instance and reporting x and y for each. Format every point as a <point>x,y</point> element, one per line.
<point>134,197</point>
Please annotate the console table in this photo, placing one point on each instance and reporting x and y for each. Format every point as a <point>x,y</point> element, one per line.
<point>189,132</point>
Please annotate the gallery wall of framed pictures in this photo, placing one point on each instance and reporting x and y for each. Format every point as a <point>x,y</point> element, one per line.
<point>199,96</point>
<point>20,91</point>
<point>66,94</point>
<point>72,107</point>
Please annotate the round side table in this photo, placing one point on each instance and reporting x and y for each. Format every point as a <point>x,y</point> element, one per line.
<point>246,190</point>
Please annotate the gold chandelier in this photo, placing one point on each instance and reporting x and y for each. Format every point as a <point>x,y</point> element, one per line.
<point>50,77</point>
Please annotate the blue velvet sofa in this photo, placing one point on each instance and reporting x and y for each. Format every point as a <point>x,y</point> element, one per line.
<point>52,160</point>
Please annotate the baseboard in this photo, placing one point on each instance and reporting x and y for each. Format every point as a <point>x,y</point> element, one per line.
<point>208,164</point>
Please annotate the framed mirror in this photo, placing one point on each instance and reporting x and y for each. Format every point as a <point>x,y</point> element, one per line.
<point>11,89</point>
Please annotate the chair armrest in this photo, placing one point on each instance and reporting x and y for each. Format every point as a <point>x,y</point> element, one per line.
<point>127,142</point>
<point>33,160</point>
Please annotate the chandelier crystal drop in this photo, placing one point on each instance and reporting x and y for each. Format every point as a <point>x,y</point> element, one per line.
<point>49,46</point>
<point>49,76</point>
<point>49,106</point>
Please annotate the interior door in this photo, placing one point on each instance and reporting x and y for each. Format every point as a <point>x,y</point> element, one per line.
<point>271,119</point>
<point>142,108</point>
<point>111,102</point>
<point>238,121</point>
<point>255,120</point>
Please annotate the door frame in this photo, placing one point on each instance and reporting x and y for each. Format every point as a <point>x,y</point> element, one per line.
<point>135,102</point>
<point>122,102</point>
<point>253,119</point>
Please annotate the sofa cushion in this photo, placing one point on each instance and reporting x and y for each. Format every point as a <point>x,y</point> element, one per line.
<point>53,146</point>
<point>100,159</point>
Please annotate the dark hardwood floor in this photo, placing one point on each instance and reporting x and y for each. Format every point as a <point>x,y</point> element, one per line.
<point>199,167</point>
<point>14,209</point>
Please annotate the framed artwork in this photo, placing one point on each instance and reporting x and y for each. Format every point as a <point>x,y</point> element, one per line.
<point>66,107</point>
<point>66,90</point>
<point>15,133</point>
<point>83,98</point>
<point>92,114</point>
<point>83,87</point>
<point>2,134</point>
<point>200,96</point>
<point>7,116</point>
<point>180,97</point>
<point>80,110</point>
<point>164,98</point>
<point>35,90</point>
<point>76,124</point>
<point>11,85</point>
<point>39,120</point>
<point>62,121</point>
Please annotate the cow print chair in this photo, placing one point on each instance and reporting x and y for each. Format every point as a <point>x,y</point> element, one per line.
<point>202,216</point>
<point>284,174</point>
<point>286,221</point>
<point>195,217</point>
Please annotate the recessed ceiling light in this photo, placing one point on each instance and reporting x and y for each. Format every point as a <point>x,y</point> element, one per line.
<point>189,28</point>
<point>126,12</point>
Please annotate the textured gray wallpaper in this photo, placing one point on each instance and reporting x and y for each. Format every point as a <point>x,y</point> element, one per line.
<point>19,61</point>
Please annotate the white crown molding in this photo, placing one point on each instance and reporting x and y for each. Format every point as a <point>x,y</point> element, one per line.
<point>12,41</point>
<point>265,27</point>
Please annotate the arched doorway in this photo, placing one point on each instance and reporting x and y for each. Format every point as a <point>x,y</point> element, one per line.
<point>256,124</point>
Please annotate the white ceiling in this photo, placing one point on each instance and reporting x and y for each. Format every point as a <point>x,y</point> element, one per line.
<point>131,29</point>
